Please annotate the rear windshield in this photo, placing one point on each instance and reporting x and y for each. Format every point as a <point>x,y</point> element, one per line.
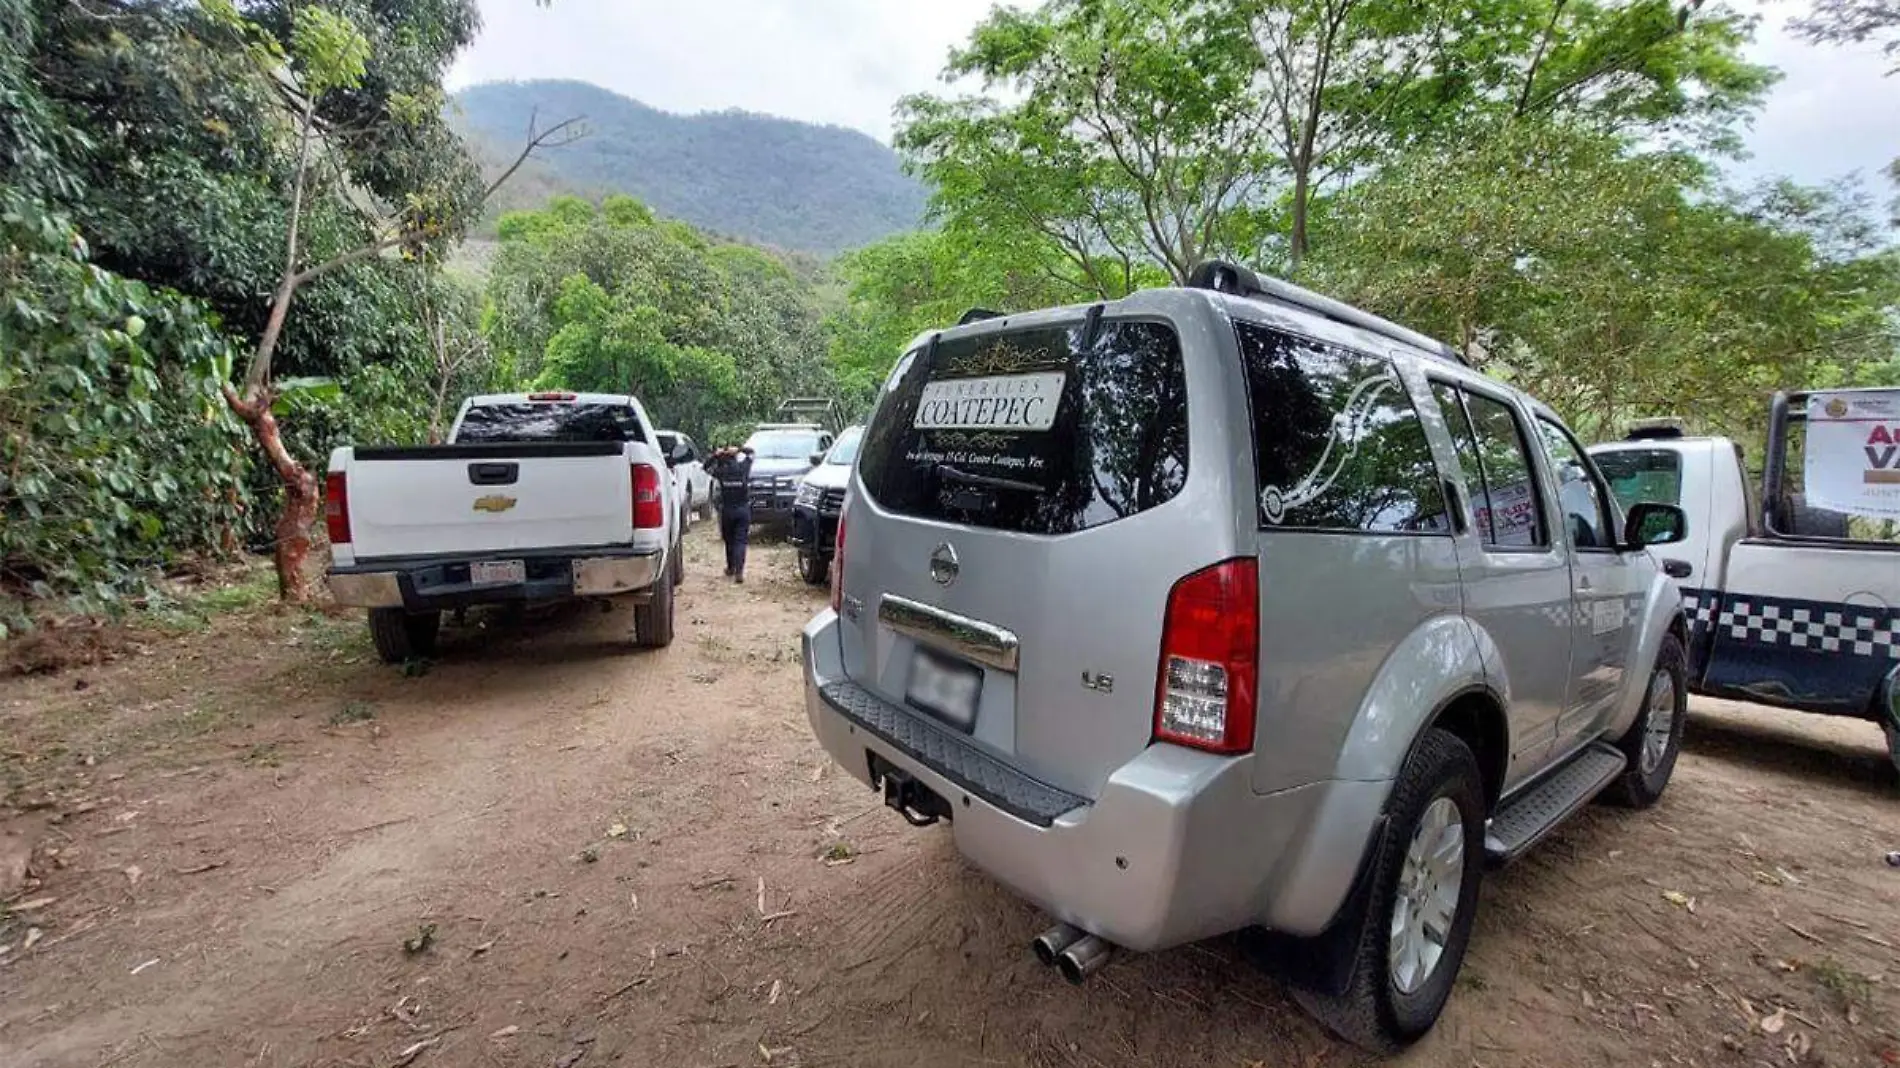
<point>1639,476</point>
<point>548,421</point>
<point>783,444</point>
<point>1030,431</point>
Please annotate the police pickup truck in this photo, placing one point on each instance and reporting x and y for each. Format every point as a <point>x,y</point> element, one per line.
<point>1793,596</point>
<point>536,497</point>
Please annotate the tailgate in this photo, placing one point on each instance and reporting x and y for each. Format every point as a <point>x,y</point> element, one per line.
<point>475,499</point>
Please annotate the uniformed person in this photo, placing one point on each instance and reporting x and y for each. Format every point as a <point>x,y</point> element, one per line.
<point>731,466</point>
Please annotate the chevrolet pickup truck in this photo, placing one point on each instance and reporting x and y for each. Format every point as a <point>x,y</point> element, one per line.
<point>536,497</point>
<point>1792,584</point>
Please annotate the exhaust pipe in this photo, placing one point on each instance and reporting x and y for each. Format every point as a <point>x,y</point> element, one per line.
<point>1050,944</point>
<point>1084,958</point>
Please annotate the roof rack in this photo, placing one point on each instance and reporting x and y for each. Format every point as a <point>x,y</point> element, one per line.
<point>1223,277</point>
<point>1662,428</point>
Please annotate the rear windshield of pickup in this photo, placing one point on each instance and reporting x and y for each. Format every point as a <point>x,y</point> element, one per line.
<point>1640,476</point>
<point>530,421</point>
<point>1031,430</point>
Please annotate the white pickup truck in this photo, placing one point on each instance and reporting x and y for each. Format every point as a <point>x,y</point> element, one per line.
<point>536,497</point>
<point>1793,596</point>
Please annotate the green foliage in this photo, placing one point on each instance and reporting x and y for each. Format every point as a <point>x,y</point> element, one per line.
<point>613,299</point>
<point>331,53</point>
<point>1129,133</point>
<point>1615,283</point>
<point>166,135</point>
<point>790,185</point>
<point>116,452</point>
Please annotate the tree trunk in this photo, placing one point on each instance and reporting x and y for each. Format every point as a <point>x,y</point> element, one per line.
<point>292,550</point>
<point>1297,245</point>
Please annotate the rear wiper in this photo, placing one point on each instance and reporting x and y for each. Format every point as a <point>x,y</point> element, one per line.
<point>986,481</point>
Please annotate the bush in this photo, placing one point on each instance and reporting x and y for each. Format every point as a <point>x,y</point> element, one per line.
<point>117,453</point>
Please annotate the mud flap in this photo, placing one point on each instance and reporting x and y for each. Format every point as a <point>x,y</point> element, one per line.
<point>1323,962</point>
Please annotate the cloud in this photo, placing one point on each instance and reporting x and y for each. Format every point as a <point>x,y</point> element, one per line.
<point>843,62</point>
<point>846,62</point>
<point>1833,111</point>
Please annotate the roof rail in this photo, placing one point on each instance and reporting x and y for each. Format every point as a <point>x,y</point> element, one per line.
<point>1223,277</point>
<point>977,315</point>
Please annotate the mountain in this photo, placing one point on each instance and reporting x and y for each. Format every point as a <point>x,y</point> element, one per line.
<point>794,185</point>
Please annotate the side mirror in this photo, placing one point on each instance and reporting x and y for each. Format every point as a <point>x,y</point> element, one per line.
<point>1649,523</point>
<point>816,458</point>
<point>682,453</point>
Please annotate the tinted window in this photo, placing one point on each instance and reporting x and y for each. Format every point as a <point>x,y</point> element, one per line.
<point>1337,443</point>
<point>549,421</point>
<point>1586,519</point>
<point>1031,431</point>
<point>1507,499</point>
<point>1637,476</point>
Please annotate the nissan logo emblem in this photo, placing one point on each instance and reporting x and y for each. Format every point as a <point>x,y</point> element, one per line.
<point>943,565</point>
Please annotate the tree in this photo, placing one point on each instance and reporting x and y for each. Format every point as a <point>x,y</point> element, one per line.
<point>1134,135</point>
<point>330,57</point>
<point>1613,282</point>
<point>611,298</point>
<point>1138,133</point>
<point>1854,22</point>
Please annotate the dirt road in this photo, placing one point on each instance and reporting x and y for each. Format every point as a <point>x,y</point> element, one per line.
<point>600,856</point>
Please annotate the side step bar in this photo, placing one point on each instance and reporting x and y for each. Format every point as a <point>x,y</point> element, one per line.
<point>1537,811</point>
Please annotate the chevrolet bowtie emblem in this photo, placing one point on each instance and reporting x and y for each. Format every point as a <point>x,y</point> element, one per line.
<point>494,504</point>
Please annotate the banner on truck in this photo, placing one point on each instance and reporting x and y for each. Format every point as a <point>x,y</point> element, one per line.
<point>1853,453</point>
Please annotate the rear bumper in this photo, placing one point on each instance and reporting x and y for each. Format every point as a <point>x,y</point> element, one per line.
<point>1175,847</point>
<point>433,583</point>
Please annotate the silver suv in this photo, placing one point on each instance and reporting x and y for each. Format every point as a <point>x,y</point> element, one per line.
<point>1232,607</point>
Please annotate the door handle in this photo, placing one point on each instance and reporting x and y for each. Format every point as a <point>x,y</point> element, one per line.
<point>1677,568</point>
<point>1583,585</point>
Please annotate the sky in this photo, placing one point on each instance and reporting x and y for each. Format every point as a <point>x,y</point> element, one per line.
<point>845,62</point>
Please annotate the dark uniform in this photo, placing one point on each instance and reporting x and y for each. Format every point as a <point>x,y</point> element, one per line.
<point>733,473</point>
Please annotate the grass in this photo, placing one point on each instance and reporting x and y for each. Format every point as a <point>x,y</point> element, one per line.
<point>353,712</point>
<point>839,851</point>
<point>264,755</point>
<point>1851,987</point>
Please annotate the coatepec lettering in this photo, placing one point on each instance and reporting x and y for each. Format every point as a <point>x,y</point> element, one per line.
<point>1006,403</point>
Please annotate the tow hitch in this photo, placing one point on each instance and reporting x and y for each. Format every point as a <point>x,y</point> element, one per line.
<point>917,803</point>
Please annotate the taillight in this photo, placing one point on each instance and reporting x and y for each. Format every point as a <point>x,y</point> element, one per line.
<point>336,507</point>
<point>1204,696</point>
<point>837,564</point>
<point>648,512</point>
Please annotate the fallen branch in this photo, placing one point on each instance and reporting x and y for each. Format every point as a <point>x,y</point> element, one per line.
<point>708,884</point>
<point>1809,935</point>
<point>763,920</point>
<point>200,869</point>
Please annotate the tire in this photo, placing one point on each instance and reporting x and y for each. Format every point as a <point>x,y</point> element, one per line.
<point>1388,1002</point>
<point>653,621</point>
<point>677,569</point>
<point>814,567</point>
<point>401,636</point>
<point>1651,744</point>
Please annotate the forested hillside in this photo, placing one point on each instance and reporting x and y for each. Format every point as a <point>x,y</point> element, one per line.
<point>792,185</point>
<point>224,230</point>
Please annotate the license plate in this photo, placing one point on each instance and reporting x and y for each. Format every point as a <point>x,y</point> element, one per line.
<point>945,688</point>
<point>497,572</point>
